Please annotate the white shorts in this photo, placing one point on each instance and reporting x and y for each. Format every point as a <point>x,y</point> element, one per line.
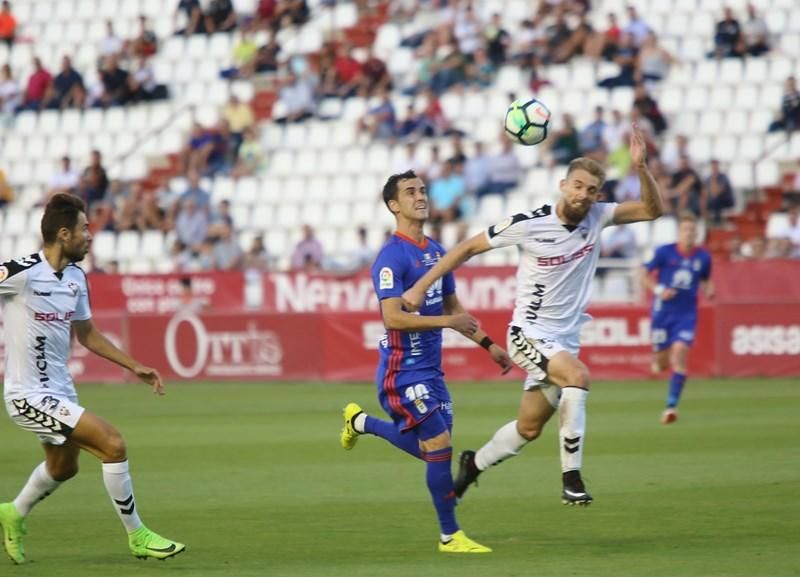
<point>51,417</point>
<point>533,353</point>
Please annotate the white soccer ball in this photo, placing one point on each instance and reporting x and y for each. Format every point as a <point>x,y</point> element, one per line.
<point>526,121</point>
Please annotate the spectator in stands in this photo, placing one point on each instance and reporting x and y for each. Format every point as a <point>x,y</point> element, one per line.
<point>227,253</point>
<point>505,171</point>
<point>591,137</point>
<point>619,245</point>
<point>673,151</point>
<point>557,35</point>
<point>653,62</point>
<point>754,249</point>
<point>626,58</point>
<point>629,188</point>
<point>111,44</point>
<point>481,71</point>
<point>142,83</point>
<point>380,122</point>
<point>116,87</point>
<point>67,89</point>
<point>8,24</point>
<point>10,92</point>
<point>6,192</point>
<point>297,97</point>
<point>265,14</point>
<point>564,142</point>
<point>221,215</point>
<point>292,13</point>
<point>145,43</point>
<point>65,179</point>
<point>257,257</point>
<point>477,172</point>
<point>432,119</point>
<point>467,31</point>
<point>604,44</point>
<point>220,16</point>
<point>446,194</point>
<point>191,225</point>
<point>530,41</point>
<point>308,252</point>
<point>614,131</point>
<point>374,76</point>
<point>718,194</point>
<point>791,187</point>
<point>194,191</point>
<point>728,40</point>
<point>151,215</point>
<point>648,107</point>
<point>267,56</point>
<point>498,40</point>
<point>792,231</point>
<point>403,11</point>
<point>240,117</point>
<point>789,119</point>
<point>576,40</point>
<point>38,83</point>
<point>362,255</point>
<point>343,76</point>
<point>755,33</point>
<point>194,21</point>
<point>250,157</point>
<point>637,27</point>
<point>94,181</point>
<point>685,191</point>
<point>410,127</point>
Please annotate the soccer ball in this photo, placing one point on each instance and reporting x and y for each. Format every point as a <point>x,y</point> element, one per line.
<point>526,121</point>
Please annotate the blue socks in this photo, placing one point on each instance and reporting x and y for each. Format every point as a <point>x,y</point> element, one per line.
<point>440,484</point>
<point>676,383</point>
<point>404,441</point>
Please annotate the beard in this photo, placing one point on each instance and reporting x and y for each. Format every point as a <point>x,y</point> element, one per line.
<point>575,214</point>
<point>75,254</point>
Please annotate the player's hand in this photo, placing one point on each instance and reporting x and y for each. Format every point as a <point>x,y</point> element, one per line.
<point>464,323</point>
<point>669,293</point>
<point>500,356</point>
<point>151,377</point>
<point>638,147</point>
<point>413,299</point>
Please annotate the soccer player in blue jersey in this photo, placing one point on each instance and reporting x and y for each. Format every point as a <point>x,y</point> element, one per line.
<point>410,383</point>
<point>674,275</point>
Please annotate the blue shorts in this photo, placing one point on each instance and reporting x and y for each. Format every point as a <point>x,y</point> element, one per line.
<point>666,330</point>
<point>411,398</point>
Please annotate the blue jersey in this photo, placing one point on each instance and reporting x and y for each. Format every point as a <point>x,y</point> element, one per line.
<point>399,264</point>
<point>682,272</point>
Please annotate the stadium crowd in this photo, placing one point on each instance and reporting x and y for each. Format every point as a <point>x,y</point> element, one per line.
<point>460,51</point>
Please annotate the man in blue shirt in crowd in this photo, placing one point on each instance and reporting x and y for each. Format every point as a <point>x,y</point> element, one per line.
<point>410,383</point>
<point>674,275</point>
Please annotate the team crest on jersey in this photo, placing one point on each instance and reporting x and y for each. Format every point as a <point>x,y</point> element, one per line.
<point>74,288</point>
<point>696,264</point>
<point>3,273</point>
<point>498,228</point>
<point>386,277</point>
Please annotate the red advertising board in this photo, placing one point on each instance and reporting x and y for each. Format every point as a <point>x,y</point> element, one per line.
<point>163,294</point>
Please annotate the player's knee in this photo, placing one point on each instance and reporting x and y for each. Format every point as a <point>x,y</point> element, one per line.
<point>115,449</point>
<point>579,377</point>
<point>529,430</point>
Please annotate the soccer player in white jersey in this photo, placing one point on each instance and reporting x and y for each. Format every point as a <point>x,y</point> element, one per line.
<point>46,297</point>
<point>558,257</point>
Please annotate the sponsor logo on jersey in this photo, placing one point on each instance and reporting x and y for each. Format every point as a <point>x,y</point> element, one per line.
<point>386,277</point>
<point>559,260</point>
<point>3,273</point>
<point>41,358</point>
<point>53,317</point>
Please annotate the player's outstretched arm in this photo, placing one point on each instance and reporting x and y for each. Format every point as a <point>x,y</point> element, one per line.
<point>499,355</point>
<point>95,341</point>
<point>651,204</point>
<point>413,297</point>
<point>395,318</point>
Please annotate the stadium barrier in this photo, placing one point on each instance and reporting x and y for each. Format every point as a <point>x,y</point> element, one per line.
<point>318,327</point>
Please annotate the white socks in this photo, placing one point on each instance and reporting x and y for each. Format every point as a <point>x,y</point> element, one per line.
<point>40,484</point>
<point>572,412</point>
<point>120,489</point>
<point>359,422</point>
<point>506,443</point>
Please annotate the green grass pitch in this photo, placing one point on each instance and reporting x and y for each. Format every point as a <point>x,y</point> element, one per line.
<point>252,478</point>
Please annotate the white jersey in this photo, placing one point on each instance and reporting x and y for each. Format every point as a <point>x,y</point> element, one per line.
<point>557,264</point>
<point>39,305</point>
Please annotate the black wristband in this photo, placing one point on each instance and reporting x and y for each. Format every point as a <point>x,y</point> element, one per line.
<point>486,342</point>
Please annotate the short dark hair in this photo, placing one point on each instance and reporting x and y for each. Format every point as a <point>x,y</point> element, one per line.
<point>62,211</point>
<point>390,188</point>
